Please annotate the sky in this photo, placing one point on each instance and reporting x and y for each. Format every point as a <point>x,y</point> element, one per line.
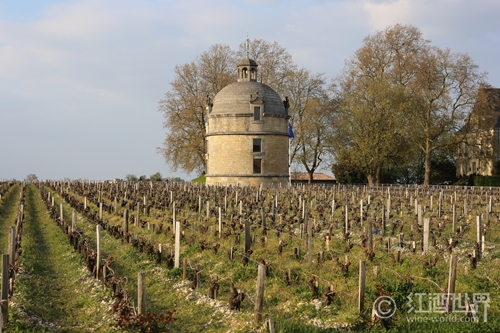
<point>80,81</point>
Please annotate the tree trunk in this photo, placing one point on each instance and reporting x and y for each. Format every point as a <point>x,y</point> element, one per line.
<point>310,178</point>
<point>370,178</point>
<point>427,174</point>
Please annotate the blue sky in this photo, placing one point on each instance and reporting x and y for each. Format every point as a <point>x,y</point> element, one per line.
<point>80,80</point>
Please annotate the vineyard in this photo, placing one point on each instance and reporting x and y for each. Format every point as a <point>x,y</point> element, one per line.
<point>175,257</point>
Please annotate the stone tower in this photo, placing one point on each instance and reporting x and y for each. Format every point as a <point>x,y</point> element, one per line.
<point>247,133</point>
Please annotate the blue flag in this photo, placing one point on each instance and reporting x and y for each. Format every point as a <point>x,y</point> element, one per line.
<point>290,132</point>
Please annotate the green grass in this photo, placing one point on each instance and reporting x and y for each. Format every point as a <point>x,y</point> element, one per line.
<point>53,290</point>
<point>200,180</point>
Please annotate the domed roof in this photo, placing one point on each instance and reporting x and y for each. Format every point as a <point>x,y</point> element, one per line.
<point>247,62</point>
<point>236,98</point>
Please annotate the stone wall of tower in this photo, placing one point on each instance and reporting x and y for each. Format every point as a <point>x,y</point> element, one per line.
<point>244,122</point>
<point>230,150</point>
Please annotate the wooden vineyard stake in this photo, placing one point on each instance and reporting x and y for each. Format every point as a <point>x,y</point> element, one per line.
<point>73,221</point>
<point>426,235</point>
<point>247,236</point>
<point>259,297</point>
<point>454,222</point>
<point>309,240</point>
<point>419,214</point>
<point>174,217</point>
<point>361,299</point>
<point>5,290</point>
<point>275,210</point>
<point>177,243</point>
<point>479,236</point>
<point>141,294</point>
<point>388,207</point>
<point>465,208</point>
<point>361,211</point>
<point>451,279</point>
<point>125,225</point>
<point>137,219</point>
<point>333,209</point>
<point>263,214</point>
<point>98,259</point>
<point>184,269</point>
<point>370,234</point>
<point>271,325</point>
<point>12,245</point>
<point>440,203</point>
<point>383,221</point>
<point>220,222</point>
<point>346,219</point>
<point>303,209</point>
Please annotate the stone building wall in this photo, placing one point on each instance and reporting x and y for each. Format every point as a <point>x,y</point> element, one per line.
<point>230,150</point>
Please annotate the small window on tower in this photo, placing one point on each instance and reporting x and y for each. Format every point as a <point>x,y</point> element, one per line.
<point>257,145</point>
<point>256,113</point>
<point>257,165</point>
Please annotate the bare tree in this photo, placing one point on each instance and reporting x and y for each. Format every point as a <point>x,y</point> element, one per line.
<point>309,108</point>
<point>370,123</point>
<point>184,107</point>
<point>312,149</point>
<point>31,178</point>
<point>399,93</point>
<point>194,83</point>
<point>368,128</point>
<point>444,93</point>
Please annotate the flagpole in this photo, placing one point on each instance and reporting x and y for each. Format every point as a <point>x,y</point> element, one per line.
<point>289,163</point>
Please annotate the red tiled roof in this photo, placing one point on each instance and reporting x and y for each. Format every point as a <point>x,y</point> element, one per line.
<point>316,176</point>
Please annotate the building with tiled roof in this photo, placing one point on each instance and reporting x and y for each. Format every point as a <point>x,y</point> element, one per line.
<point>318,178</point>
